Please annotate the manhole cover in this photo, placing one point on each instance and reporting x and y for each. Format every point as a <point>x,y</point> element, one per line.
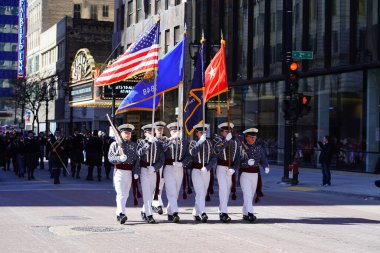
<point>69,218</point>
<point>97,229</point>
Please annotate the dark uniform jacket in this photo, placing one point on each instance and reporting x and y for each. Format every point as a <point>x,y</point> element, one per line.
<point>255,152</point>
<point>227,152</point>
<point>202,154</point>
<point>130,150</point>
<point>77,147</point>
<point>152,155</point>
<point>94,151</point>
<point>32,152</point>
<point>58,151</point>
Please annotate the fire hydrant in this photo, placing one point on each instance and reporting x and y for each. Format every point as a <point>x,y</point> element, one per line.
<point>294,167</point>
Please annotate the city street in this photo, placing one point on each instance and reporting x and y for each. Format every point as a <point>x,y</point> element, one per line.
<point>79,216</point>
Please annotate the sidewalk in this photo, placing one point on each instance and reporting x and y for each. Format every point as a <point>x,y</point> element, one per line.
<point>342,182</point>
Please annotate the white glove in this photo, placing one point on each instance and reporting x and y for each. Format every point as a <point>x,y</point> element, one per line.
<point>146,146</point>
<point>176,135</point>
<point>152,139</point>
<point>204,170</point>
<point>177,164</point>
<point>230,172</point>
<point>135,176</point>
<point>228,137</point>
<point>123,158</point>
<point>251,162</point>
<point>151,169</point>
<point>266,170</point>
<point>201,140</point>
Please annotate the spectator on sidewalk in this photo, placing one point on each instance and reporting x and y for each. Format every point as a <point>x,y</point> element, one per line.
<point>327,151</point>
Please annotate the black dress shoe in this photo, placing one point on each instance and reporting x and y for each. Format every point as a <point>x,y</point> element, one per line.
<point>143,216</point>
<point>224,217</point>
<point>122,218</point>
<point>158,209</point>
<point>250,217</point>
<point>174,218</point>
<point>204,217</point>
<point>150,219</point>
<point>197,218</point>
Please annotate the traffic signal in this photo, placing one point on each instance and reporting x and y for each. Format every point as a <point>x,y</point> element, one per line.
<point>290,107</point>
<point>293,76</point>
<point>304,105</point>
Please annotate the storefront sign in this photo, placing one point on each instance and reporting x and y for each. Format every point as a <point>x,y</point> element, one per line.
<point>21,39</point>
<point>81,92</point>
<point>121,91</point>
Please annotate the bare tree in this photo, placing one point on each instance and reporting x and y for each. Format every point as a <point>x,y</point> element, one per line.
<point>32,92</point>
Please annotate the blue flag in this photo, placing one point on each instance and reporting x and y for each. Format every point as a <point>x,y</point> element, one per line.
<point>169,76</point>
<point>193,112</point>
<point>146,105</point>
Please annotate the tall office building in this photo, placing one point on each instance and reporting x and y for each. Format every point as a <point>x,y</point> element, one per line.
<point>8,58</point>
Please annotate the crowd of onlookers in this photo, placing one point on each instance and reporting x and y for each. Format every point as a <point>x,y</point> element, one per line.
<point>24,152</point>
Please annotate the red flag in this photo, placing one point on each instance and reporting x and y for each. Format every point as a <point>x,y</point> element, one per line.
<point>216,75</point>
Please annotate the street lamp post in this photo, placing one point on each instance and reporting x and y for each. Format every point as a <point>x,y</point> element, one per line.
<point>49,95</point>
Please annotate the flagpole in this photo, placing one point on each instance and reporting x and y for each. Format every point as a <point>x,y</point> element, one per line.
<point>180,96</point>
<point>203,100</point>
<point>154,100</point>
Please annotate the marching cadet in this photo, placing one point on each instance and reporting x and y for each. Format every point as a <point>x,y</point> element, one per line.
<point>76,158</point>
<point>253,156</point>
<point>32,152</point>
<point>94,155</point>
<point>228,154</point>
<point>202,161</point>
<point>161,139</point>
<point>176,150</point>
<point>151,160</point>
<point>57,151</point>
<point>125,159</point>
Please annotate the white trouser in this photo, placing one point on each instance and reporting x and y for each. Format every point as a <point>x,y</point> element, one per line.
<point>122,180</point>
<point>173,180</point>
<point>224,182</point>
<point>158,202</point>
<point>248,183</point>
<point>148,185</point>
<point>200,183</point>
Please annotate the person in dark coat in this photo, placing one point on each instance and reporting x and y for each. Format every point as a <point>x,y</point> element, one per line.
<point>94,155</point>
<point>327,151</point>
<point>3,147</point>
<point>106,147</point>
<point>32,152</point>
<point>57,146</point>
<point>42,144</point>
<point>76,155</point>
<point>19,151</point>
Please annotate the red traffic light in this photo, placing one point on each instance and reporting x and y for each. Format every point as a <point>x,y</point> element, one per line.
<point>304,100</point>
<point>294,66</point>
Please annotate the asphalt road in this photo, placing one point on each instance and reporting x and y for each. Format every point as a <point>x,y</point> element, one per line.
<point>79,216</point>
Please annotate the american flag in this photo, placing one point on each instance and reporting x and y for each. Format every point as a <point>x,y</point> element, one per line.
<point>140,57</point>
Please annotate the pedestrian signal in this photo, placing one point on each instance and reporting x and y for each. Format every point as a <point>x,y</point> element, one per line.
<point>304,105</point>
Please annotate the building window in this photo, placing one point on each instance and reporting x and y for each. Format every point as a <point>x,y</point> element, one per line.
<point>177,35</point>
<point>77,11</point>
<point>158,7</point>
<point>177,2</point>
<point>166,4</point>
<point>105,11</point>
<point>140,13</point>
<point>94,12</point>
<point>167,40</point>
<point>122,16</point>
<point>130,13</point>
<point>148,7</point>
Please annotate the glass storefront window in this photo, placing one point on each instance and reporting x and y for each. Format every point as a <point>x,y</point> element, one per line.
<point>276,37</point>
<point>258,39</point>
<point>340,32</point>
<point>367,31</point>
<point>317,32</point>
<point>243,42</point>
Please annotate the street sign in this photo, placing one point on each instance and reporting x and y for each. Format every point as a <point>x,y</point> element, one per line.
<point>303,54</point>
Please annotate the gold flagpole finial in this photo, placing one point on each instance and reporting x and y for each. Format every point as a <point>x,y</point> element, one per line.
<point>203,37</point>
